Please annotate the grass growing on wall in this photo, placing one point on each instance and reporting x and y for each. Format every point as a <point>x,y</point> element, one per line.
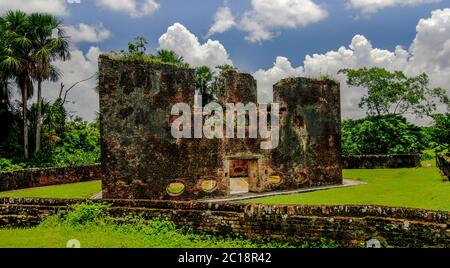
<point>73,190</point>
<point>414,188</point>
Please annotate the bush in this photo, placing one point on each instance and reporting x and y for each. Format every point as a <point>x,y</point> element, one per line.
<point>82,214</point>
<point>381,135</point>
<point>8,165</point>
<point>78,145</point>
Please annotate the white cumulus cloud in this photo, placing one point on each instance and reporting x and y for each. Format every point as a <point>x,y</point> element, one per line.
<point>135,8</point>
<point>185,44</point>
<point>55,7</point>
<point>87,33</point>
<point>267,16</point>
<point>83,99</point>
<point>372,6</point>
<point>428,53</point>
<point>223,21</point>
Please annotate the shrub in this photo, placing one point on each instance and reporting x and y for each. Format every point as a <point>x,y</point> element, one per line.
<point>8,165</point>
<point>381,135</point>
<point>84,213</point>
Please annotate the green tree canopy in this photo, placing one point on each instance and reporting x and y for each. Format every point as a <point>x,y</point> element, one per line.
<point>441,129</point>
<point>394,93</point>
<point>16,58</point>
<point>390,134</point>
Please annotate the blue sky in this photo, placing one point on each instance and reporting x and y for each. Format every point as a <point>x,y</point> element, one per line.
<point>386,29</point>
<point>270,39</point>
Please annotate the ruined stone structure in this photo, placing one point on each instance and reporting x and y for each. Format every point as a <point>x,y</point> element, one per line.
<point>141,159</point>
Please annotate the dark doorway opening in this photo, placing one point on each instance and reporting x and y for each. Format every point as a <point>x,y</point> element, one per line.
<point>239,177</point>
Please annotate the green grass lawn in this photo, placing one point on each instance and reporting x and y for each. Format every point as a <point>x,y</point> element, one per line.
<point>109,236</point>
<point>414,188</point>
<point>93,227</point>
<point>74,190</point>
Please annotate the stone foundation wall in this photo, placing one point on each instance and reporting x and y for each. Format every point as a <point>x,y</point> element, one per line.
<point>351,226</point>
<point>381,161</point>
<point>37,177</point>
<point>443,163</point>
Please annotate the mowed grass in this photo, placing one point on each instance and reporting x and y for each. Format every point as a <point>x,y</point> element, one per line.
<point>73,190</point>
<point>109,236</point>
<point>413,188</point>
<point>92,225</point>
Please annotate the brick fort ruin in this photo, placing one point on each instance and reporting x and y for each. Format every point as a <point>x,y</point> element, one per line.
<point>142,160</point>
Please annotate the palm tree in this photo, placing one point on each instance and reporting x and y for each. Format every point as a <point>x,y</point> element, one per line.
<point>16,59</point>
<point>203,78</point>
<point>168,56</point>
<point>4,104</point>
<point>47,47</point>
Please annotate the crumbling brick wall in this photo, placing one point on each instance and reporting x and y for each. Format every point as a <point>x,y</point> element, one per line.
<point>381,161</point>
<point>38,177</point>
<point>350,226</point>
<point>443,163</point>
<point>140,158</point>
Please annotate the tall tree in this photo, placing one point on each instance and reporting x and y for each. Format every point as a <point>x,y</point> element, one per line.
<point>442,129</point>
<point>393,93</point>
<point>203,79</point>
<point>49,43</point>
<point>16,59</point>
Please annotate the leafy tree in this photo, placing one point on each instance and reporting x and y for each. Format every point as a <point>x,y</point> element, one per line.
<point>46,49</point>
<point>137,46</point>
<point>393,93</point>
<point>79,145</point>
<point>441,130</point>
<point>8,165</point>
<point>388,134</point>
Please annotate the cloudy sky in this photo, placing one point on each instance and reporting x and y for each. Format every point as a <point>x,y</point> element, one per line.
<point>270,39</point>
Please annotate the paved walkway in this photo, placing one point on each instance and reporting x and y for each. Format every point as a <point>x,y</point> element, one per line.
<point>247,196</point>
<point>96,196</point>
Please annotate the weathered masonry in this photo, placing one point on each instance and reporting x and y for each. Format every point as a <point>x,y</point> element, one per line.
<point>141,159</point>
<point>39,177</point>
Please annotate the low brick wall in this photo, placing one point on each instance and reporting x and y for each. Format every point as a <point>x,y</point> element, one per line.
<point>443,163</point>
<point>351,226</point>
<point>381,161</point>
<point>36,177</point>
